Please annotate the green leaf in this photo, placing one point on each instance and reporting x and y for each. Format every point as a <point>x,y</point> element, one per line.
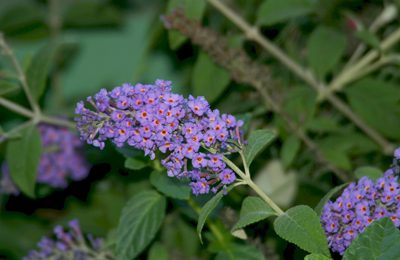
<point>380,240</point>
<point>253,210</point>
<point>171,187</point>
<point>327,197</point>
<point>300,103</point>
<point>192,9</point>
<point>316,257</point>
<point>39,69</point>
<point>86,14</point>
<point>207,209</point>
<point>208,79</point>
<point>325,48</point>
<point>290,148</point>
<point>377,103</point>
<point>239,251</point>
<point>23,156</point>
<point>300,225</point>
<point>258,140</point>
<point>140,220</point>
<point>368,38</point>
<point>7,86</point>
<point>274,11</point>
<point>372,173</point>
<point>134,163</point>
<point>158,252</point>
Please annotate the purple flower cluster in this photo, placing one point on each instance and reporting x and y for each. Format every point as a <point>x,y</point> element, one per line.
<point>61,160</point>
<point>149,117</point>
<point>359,205</point>
<point>69,244</point>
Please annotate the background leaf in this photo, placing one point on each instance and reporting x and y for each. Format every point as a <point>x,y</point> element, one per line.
<point>171,187</point>
<point>380,240</point>
<point>253,210</point>
<point>140,220</point>
<point>372,173</point>
<point>238,251</point>
<point>274,11</point>
<point>158,252</point>
<point>133,163</point>
<point>257,141</point>
<point>290,148</point>
<point>377,102</point>
<point>325,48</point>
<point>39,69</point>
<point>208,79</point>
<point>7,86</point>
<point>300,225</point>
<point>192,9</point>
<point>207,209</point>
<point>316,257</point>
<point>23,156</point>
<point>327,197</point>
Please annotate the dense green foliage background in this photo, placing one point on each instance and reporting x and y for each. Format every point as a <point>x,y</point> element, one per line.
<point>105,43</point>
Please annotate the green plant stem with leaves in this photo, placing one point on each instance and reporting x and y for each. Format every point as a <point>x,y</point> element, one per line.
<point>246,179</point>
<point>36,115</point>
<point>252,33</point>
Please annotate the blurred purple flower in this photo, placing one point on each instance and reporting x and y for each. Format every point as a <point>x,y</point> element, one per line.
<point>69,244</point>
<point>61,160</point>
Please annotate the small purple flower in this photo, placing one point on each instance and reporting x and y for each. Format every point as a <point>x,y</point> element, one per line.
<point>102,100</point>
<point>227,176</point>
<point>200,187</point>
<point>198,105</point>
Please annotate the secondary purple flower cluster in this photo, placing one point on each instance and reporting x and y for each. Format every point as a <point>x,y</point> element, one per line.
<point>61,160</point>
<point>69,244</point>
<point>359,205</point>
<point>149,117</point>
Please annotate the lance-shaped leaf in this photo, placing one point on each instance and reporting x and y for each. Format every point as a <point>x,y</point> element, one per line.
<point>140,220</point>
<point>253,210</point>
<point>258,140</point>
<point>23,156</point>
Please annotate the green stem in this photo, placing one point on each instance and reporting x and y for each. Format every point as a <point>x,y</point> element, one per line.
<point>347,75</point>
<point>245,165</point>
<point>254,186</point>
<point>16,108</point>
<point>37,118</point>
<point>21,75</point>
<point>253,34</point>
<point>57,121</point>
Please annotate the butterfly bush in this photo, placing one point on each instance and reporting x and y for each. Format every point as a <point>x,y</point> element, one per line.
<point>60,161</point>
<point>190,137</point>
<point>360,204</point>
<point>69,244</point>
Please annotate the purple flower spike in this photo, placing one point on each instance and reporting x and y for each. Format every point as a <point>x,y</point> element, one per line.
<point>61,158</point>
<point>360,204</point>
<point>191,137</point>
<point>68,243</point>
